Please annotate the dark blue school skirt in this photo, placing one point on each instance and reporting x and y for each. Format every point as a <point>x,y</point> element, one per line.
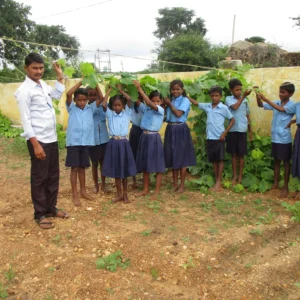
<point>118,159</point>
<point>150,154</point>
<point>296,155</point>
<point>134,138</point>
<point>178,147</point>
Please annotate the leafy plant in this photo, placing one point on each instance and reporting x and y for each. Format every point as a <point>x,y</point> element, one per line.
<point>10,274</point>
<point>146,232</point>
<point>295,209</point>
<point>238,188</point>
<point>112,262</point>
<point>189,264</point>
<point>3,291</point>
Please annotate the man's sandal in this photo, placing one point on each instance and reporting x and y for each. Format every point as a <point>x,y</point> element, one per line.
<point>58,214</point>
<point>45,224</point>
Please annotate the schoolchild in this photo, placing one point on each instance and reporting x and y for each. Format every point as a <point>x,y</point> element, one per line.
<point>80,136</point>
<point>178,146</point>
<point>281,132</point>
<point>236,142</point>
<point>150,154</point>
<point>118,160</point>
<point>216,112</point>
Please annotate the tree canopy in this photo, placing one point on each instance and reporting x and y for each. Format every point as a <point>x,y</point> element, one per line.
<point>255,39</point>
<point>297,19</point>
<point>16,24</point>
<point>177,20</point>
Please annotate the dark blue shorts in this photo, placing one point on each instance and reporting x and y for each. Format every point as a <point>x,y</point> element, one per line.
<point>282,151</point>
<point>97,152</point>
<point>78,157</point>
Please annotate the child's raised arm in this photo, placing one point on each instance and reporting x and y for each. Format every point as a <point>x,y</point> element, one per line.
<point>239,102</point>
<point>145,97</point>
<point>100,97</point>
<point>223,136</point>
<point>194,102</point>
<point>178,113</point>
<point>104,102</point>
<point>265,99</point>
<point>71,91</point>
<point>127,97</point>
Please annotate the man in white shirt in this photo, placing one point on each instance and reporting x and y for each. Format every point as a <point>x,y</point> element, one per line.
<point>34,98</point>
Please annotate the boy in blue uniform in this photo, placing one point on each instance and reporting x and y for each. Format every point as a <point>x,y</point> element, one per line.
<point>97,152</point>
<point>216,112</point>
<point>80,136</point>
<point>236,142</point>
<point>281,132</point>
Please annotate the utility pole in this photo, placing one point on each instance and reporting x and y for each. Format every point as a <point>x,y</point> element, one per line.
<point>233,30</point>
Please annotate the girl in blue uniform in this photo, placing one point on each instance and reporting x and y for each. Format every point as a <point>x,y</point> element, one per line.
<point>150,155</point>
<point>118,160</point>
<point>178,146</point>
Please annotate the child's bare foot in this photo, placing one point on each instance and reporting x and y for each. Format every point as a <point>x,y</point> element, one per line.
<point>104,189</point>
<point>284,193</point>
<point>76,201</point>
<point>86,196</point>
<point>216,187</point>
<point>117,199</point>
<point>154,196</point>
<point>142,193</point>
<point>96,189</point>
<point>175,188</point>
<point>126,200</point>
<point>275,186</point>
<point>180,190</point>
<point>296,195</point>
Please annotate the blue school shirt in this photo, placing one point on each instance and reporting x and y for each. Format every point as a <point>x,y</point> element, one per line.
<point>280,134</point>
<point>180,103</point>
<point>100,128</point>
<point>80,130</point>
<point>294,109</point>
<point>240,115</point>
<point>215,119</point>
<point>118,123</point>
<point>136,117</point>
<point>152,120</point>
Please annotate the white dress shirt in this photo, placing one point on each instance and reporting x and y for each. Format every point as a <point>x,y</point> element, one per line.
<point>36,109</point>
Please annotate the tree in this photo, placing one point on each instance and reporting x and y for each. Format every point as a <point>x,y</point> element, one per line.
<point>15,24</point>
<point>177,20</point>
<point>255,39</point>
<point>191,49</point>
<point>297,19</point>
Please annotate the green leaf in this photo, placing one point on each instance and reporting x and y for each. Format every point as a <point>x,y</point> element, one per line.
<point>164,89</point>
<point>91,80</point>
<point>148,80</point>
<point>132,92</point>
<point>238,188</point>
<point>257,154</point>
<point>249,179</point>
<point>61,62</point>
<point>69,71</point>
<point>263,186</point>
<point>86,69</point>
<point>253,188</point>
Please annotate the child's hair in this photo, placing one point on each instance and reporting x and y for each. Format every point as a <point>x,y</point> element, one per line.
<point>33,57</point>
<point>115,98</point>
<point>135,106</point>
<point>180,83</point>
<point>88,88</point>
<point>155,94</point>
<point>80,91</point>
<point>234,82</point>
<point>215,89</point>
<point>288,86</point>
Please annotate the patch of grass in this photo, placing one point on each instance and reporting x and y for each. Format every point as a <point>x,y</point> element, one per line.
<point>294,208</point>
<point>189,264</point>
<point>209,268</point>
<point>96,222</point>
<point>206,207</point>
<point>154,273</point>
<point>174,211</point>
<point>131,217</point>
<point>110,291</point>
<point>255,232</point>
<point>213,230</point>
<point>57,239</point>
<point>297,284</point>
<point>186,239</point>
<point>146,232</point>
<point>183,198</point>
<point>69,236</point>
<point>249,264</point>
<point>112,262</point>
<point>172,228</point>
<point>10,274</point>
<point>51,269</point>
<point>3,291</point>
<point>266,219</point>
<point>154,205</point>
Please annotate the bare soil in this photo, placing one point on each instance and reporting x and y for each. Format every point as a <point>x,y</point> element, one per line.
<point>190,246</point>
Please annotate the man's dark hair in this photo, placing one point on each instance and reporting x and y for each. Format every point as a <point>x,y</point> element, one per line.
<point>33,57</point>
<point>215,89</point>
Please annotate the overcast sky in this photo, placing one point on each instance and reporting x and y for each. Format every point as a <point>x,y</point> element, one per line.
<point>126,26</point>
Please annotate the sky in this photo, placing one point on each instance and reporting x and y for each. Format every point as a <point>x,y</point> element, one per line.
<point>126,27</point>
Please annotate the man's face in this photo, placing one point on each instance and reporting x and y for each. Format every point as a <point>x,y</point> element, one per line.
<point>35,71</point>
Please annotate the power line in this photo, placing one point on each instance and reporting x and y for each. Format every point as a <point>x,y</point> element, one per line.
<point>68,11</point>
<point>105,51</point>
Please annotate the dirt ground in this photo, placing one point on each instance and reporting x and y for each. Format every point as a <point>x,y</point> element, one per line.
<point>191,246</point>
